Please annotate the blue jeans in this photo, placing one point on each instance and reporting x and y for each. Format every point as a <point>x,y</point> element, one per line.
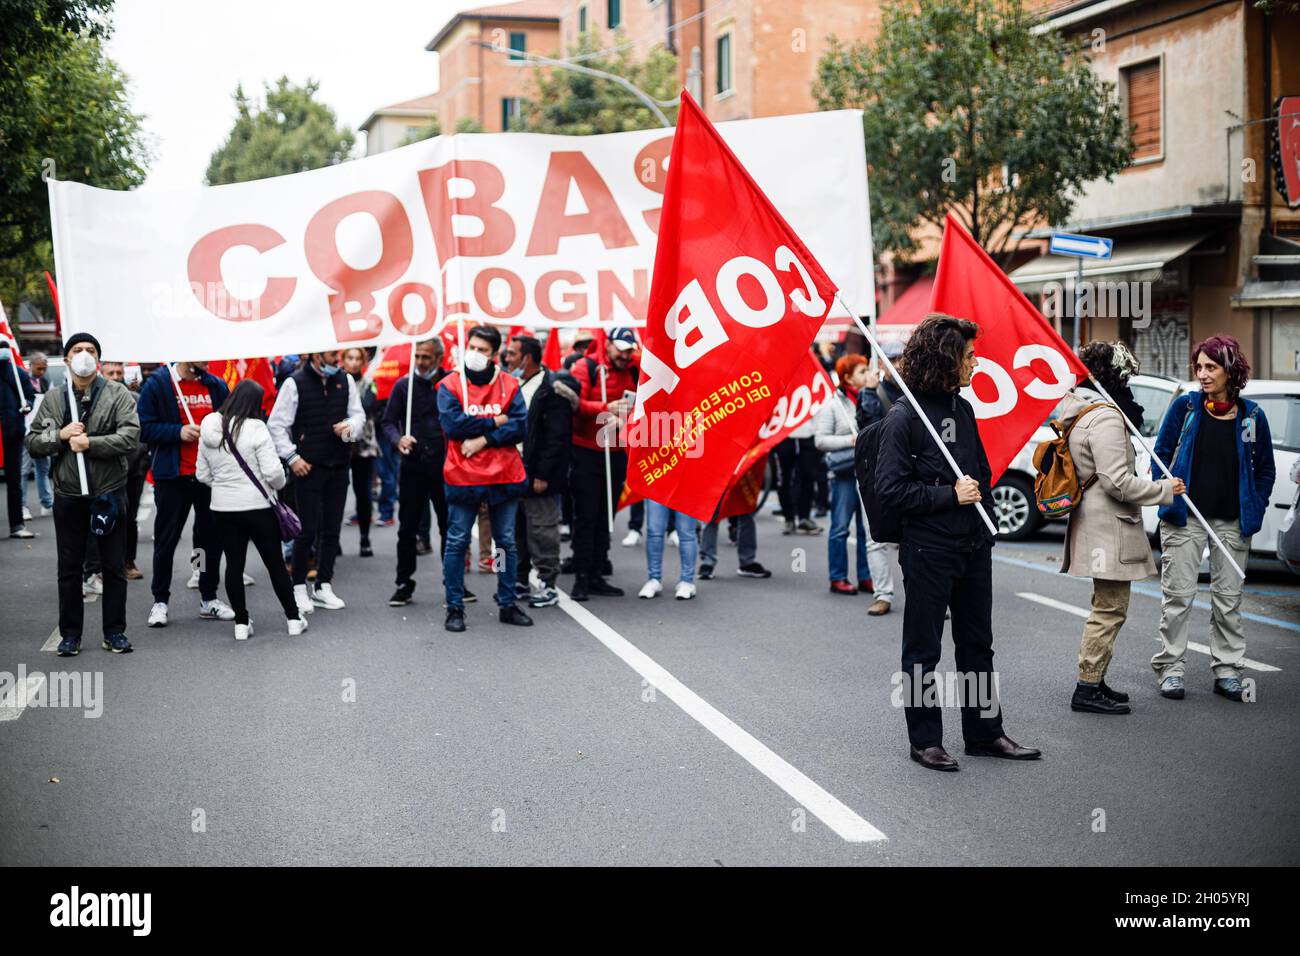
<point>460,519</point>
<point>386,467</point>
<point>42,468</point>
<point>746,541</point>
<point>688,544</point>
<point>845,508</point>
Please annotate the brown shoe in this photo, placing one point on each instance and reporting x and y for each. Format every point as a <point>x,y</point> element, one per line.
<point>132,572</point>
<point>935,758</point>
<point>878,607</point>
<point>1003,747</point>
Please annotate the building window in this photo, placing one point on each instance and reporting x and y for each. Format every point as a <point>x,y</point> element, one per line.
<point>724,64</point>
<point>511,113</point>
<point>582,19</point>
<point>518,44</point>
<point>1142,94</point>
<point>614,9</point>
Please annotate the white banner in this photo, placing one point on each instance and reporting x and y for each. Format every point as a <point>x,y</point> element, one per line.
<point>512,229</point>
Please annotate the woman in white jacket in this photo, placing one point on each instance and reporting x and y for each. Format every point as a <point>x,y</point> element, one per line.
<point>245,511</point>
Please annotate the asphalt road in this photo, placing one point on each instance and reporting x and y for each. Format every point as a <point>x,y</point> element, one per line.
<point>751,726</point>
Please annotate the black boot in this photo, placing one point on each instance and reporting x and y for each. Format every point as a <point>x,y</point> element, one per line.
<point>512,615</point>
<point>1118,697</point>
<point>1090,700</point>
<point>455,619</point>
<point>601,588</point>
<point>579,592</point>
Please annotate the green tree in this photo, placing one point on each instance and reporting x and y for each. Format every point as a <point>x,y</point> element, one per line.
<point>579,104</point>
<point>64,113</point>
<point>290,132</point>
<point>468,124</point>
<point>428,131</point>
<point>966,111</point>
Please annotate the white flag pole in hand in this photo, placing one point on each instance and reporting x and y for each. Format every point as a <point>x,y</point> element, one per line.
<point>180,396</point>
<point>898,379</point>
<point>76,417</point>
<point>1218,542</point>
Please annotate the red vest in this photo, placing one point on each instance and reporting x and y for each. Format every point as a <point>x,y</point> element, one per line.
<point>491,466</point>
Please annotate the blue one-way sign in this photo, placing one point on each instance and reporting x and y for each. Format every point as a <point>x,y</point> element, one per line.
<point>1087,247</point>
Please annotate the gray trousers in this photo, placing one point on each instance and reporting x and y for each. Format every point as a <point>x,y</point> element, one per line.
<point>1180,562</point>
<point>746,541</point>
<point>537,537</point>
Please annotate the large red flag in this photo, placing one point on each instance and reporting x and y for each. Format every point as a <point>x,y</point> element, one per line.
<point>234,371</point>
<point>1024,366</point>
<point>390,364</point>
<point>735,302</point>
<point>551,357</point>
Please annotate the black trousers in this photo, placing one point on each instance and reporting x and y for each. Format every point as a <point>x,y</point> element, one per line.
<point>933,581</point>
<point>134,491</point>
<point>419,484</point>
<point>13,450</point>
<point>363,477</point>
<point>322,496</point>
<point>590,517</point>
<point>262,528</point>
<point>173,499</point>
<point>71,530</point>
<point>798,461</point>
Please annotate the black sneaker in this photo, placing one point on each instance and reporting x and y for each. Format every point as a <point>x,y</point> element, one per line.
<point>705,573</point>
<point>522,592</point>
<point>69,647</point>
<point>513,615</point>
<point>455,620</point>
<point>549,597</point>
<point>1091,700</point>
<point>1118,697</point>
<point>366,550</point>
<point>402,596</point>
<point>566,566</point>
<point>754,570</point>
<point>117,644</point>
<point>602,588</point>
<point>579,590</point>
<point>470,596</point>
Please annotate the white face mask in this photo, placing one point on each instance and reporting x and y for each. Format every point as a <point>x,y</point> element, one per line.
<point>475,361</point>
<point>83,364</point>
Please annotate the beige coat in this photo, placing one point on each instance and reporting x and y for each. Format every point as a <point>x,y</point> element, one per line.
<point>1105,537</point>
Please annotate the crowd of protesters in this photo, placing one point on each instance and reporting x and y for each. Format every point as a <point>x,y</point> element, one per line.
<point>526,454</point>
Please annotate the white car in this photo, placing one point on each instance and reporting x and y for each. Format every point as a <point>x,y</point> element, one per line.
<point>1017,513</point>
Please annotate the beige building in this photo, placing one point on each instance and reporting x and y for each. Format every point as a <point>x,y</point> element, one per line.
<point>392,126</point>
<point>1196,214</point>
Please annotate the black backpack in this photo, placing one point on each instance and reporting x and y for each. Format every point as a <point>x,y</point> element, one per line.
<point>884,525</point>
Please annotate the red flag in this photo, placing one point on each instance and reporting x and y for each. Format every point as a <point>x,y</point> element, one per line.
<point>234,371</point>
<point>8,334</point>
<point>390,364</point>
<point>1024,366</point>
<point>735,302</point>
<point>54,295</point>
<point>551,357</point>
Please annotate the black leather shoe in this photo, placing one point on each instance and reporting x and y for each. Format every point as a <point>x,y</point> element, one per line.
<point>455,620</point>
<point>935,758</point>
<point>1117,696</point>
<point>513,615</point>
<point>402,596</point>
<point>1003,747</point>
<point>579,592</point>
<point>1092,700</point>
<point>602,588</point>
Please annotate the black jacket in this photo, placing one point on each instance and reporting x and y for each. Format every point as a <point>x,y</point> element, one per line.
<point>913,477</point>
<point>12,420</point>
<point>430,443</point>
<point>550,433</point>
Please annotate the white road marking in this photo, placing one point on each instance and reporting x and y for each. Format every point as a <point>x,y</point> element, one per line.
<point>1246,662</point>
<point>843,821</point>
<point>14,702</point>
<point>52,642</point>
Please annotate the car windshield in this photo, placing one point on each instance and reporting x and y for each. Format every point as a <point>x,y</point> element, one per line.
<point>1283,414</point>
<point>1154,402</point>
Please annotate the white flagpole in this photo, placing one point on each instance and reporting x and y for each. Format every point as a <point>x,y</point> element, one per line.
<point>180,396</point>
<point>410,388</point>
<point>609,473</point>
<point>76,417</point>
<point>24,408</point>
<point>1168,474</point>
<point>952,463</point>
<point>460,337</point>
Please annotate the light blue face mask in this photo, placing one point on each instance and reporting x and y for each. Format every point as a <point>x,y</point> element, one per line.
<point>328,370</point>
<point>517,373</point>
<point>427,375</point>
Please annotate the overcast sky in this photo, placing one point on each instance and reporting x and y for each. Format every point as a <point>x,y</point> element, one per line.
<point>185,57</point>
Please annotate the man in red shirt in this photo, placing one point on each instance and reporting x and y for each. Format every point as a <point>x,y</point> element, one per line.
<point>587,473</point>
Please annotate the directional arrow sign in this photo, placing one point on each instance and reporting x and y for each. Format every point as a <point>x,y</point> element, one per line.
<point>1087,247</point>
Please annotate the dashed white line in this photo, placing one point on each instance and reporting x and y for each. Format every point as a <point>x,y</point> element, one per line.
<point>52,642</point>
<point>1042,599</point>
<point>14,702</point>
<point>807,793</point>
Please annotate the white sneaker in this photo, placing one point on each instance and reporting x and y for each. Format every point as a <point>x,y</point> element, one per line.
<point>631,539</point>
<point>244,631</point>
<point>216,610</point>
<point>302,597</point>
<point>46,512</point>
<point>27,513</point>
<point>193,582</point>
<point>158,615</point>
<point>685,590</point>
<point>248,581</point>
<point>672,537</point>
<point>297,627</point>
<point>325,597</point>
<point>93,584</point>
<point>650,589</point>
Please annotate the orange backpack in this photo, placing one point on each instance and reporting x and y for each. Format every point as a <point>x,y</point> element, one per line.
<point>1056,487</point>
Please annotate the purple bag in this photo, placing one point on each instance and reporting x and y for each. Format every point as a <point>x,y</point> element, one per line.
<point>290,523</point>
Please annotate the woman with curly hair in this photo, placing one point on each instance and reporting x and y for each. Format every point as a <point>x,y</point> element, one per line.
<point>945,550</point>
<point>1219,444</point>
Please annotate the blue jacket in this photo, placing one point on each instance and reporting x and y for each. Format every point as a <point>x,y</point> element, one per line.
<point>160,419</point>
<point>1256,468</point>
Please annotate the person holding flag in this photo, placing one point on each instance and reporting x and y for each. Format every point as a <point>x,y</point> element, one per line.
<point>482,413</point>
<point>17,397</point>
<point>945,550</point>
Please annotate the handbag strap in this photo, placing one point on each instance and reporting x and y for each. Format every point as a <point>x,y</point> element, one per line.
<point>225,433</point>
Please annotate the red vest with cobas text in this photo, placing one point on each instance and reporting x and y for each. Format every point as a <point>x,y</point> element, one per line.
<point>491,466</point>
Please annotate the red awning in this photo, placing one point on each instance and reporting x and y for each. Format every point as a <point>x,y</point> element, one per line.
<point>897,322</point>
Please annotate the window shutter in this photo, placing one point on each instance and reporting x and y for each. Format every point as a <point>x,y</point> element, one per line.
<point>1144,109</point>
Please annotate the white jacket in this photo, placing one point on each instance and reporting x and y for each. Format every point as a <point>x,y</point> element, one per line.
<point>231,488</point>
